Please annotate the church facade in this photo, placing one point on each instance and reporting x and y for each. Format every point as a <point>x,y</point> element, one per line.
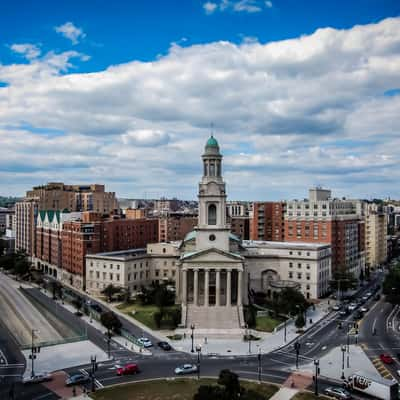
<point>215,273</point>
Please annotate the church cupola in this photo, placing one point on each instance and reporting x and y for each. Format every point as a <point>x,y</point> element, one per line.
<point>212,159</point>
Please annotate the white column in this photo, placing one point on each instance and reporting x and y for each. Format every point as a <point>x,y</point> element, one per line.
<point>240,283</point>
<point>184,287</point>
<point>196,287</point>
<point>228,288</point>
<point>206,284</point>
<point>217,287</point>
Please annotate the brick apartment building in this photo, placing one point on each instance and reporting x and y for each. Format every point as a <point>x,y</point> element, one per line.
<point>321,219</point>
<point>175,225</point>
<point>94,234</point>
<point>267,221</point>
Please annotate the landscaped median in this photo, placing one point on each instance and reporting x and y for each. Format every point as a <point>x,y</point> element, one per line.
<point>172,389</point>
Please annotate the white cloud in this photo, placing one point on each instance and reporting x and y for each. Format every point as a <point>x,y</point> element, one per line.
<point>28,50</point>
<point>71,32</point>
<point>209,7</point>
<point>248,6</point>
<point>288,114</point>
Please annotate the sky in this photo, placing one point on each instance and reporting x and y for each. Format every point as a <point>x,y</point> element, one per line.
<point>126,93</point>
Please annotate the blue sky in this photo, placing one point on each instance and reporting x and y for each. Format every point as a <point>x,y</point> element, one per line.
<point>124,92</point>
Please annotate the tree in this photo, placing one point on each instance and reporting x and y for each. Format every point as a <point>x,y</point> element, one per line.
<point>2,247</point>
<point>176,316</point>
<point>250,316</point>
<point>110,321</point>
<point>300,321</point>
<point>231,383</point>
<point>109,291</point>
<point>158,316</point>
<point>209,392</point>
<point>343,280</point>
<point>56,289</point>
<point>290,301</point>
<point>391,286</point>
<point>362,276</point>
<point>77,303</point>
<point>22,265</point>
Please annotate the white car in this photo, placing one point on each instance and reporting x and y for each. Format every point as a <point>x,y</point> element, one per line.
<point>185,369</point>
<point>336,307</point>
<point>364,309</point>
<point>352,306</point>
<point>145,342</point>
<point>37,378</point>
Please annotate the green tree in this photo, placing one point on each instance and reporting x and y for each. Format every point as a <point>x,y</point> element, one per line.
<point>158,316</point>
<point>230,381</point>
<point>176,316</point>
<point>22,265</point>
<point>343,280</point>
<point>110,321</point>
<point>56,289</point>
<point>300,321</point>
<point>391,286</point>
<point>77,303</point>
<point>250,316</point>
<point>109,291</point>
<point>290,301</point>
<point>209,392</point>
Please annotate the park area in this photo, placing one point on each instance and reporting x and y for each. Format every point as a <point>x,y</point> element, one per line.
<point>176,389</point>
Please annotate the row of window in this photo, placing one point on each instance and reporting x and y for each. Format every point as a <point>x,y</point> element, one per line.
<point>298,265</point>
<point>299,275</point>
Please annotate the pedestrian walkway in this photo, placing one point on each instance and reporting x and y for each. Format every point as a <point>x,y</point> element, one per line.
<point>284,393</point>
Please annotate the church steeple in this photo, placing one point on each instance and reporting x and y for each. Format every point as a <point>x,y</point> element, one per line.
<point>212,230</point>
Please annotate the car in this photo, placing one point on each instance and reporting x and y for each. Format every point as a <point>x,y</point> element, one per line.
<point>337,393</point>
<point>336,307</point>
<point>145,342</point>
<point>377,297</point>
<point>77,379</point>
<point>128,369</point>
<point>164,345</point>
<point>96,308</point>
<point>364,309</point>
<point>78,313</point>
<point>386,359</point>
<point>369,294</point>
<point>365,298</point>
<point>352,306</point>
<point>38,378</point>
<point>185,369</point>
<point>358,314</point>
<point>344,312</point>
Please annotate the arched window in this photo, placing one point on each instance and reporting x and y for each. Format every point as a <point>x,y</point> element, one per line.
<point>212,168</point>
<point>212,214</point>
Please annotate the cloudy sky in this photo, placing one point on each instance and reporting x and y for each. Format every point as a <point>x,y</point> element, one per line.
<point>299,93</point>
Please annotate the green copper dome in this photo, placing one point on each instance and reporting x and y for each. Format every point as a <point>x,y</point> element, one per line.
<point>212,142</point>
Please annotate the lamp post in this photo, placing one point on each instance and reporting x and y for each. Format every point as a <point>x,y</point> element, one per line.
<point>92,375</point>
<point>248,336</point>
<point>284,331</point>
<point>259,365</point>
<point>297,348</point>
<point>34,350</point>
<point>316,363</point>
<point>343,348</point>
<point>192,337</point>
<point>198,350</point>
<point>348,345</point>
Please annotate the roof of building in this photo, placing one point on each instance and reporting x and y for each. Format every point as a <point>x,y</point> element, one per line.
<point>121,254</point>
<point>192,235</point>
<point>285,245</point>
<point>212,142</point>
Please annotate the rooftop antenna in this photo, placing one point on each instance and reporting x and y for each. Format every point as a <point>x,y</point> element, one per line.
<point>212,129</point>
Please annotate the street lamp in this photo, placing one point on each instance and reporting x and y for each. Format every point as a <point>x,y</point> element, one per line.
<point>94,367</point>
<point>343,348</point>
<point>259,365</point>
<point>34,350</point>
<point>248,336</point>
<point>284,331</point>
<point>316,363</point>
<point>192,337</point>
<point>297,348</point>
<point>348,344</point>
<point>198,350</point>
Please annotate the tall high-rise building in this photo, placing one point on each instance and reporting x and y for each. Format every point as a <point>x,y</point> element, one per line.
<point>25,216</point>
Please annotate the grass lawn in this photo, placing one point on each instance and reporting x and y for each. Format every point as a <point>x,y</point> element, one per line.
<point>145,314</point>
<point>178,389</point>
<point>267,324</point>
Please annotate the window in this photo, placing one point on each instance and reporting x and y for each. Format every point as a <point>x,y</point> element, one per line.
<point>290,265</point>
<point>165,263</point>
<point>157,272</point>
<point>111,276</point>
<point>299,265</point>
<point>299,275</point>
<point>212,214</point>
<point>290,274</point>
<point>97,274</point>
<point>308,266</point>
<point>165,273</point>
<point>117,275</point>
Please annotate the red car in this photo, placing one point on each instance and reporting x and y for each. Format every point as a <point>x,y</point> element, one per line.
<point>385,358</point>
<point>128,369</point>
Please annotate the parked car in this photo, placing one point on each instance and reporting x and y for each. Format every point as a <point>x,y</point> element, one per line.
<point>365,298</point>
<point>358,314</point>
<point>77,379</point>
<point>96,308</point>
<point>336,307</point>
<point>386,359</point>
<point>369,294</point>
<point>78,313</point>
<point>337,393</point>
<point>145,342</point>
<point>364,309</point>
<point>164,345</point>
<point>185,369</point>
<point>128,369</point>
<point>38,378</point>
<point>344,311</point>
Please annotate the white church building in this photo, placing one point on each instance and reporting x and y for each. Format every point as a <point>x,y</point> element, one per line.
<point>215,273</point>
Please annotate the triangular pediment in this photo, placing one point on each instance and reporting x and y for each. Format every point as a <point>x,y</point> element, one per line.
<point>211,255</point>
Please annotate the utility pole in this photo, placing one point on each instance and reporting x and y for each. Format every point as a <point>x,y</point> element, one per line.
<point>94,369</point>
<point>343,348</point>
<point>284,331</point>
<point>297,348</point>
<point>348,345</point>
<point>259,365</point>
